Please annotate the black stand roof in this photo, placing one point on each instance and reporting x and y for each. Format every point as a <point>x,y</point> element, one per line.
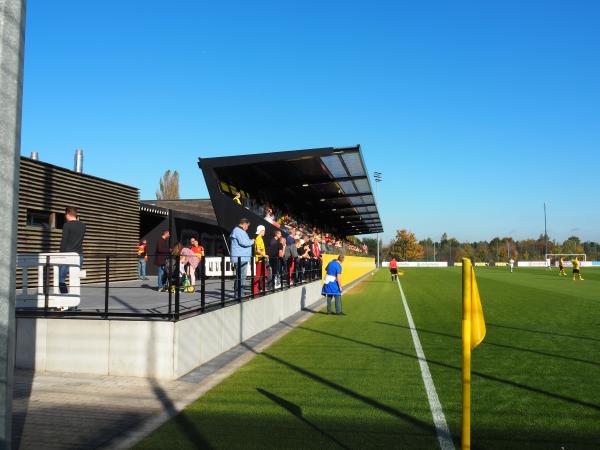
<point>328,187</point>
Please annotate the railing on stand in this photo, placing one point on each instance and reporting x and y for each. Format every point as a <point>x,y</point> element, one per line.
<point>203,283</point>
<point>111,293</point>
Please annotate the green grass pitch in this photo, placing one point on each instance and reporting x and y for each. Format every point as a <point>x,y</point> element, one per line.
<point>354,381</point>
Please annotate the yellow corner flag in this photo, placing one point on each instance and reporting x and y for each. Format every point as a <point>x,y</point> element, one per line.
<point>473,332</point>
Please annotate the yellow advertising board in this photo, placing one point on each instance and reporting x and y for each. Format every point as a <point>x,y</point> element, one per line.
<point>353,267</point>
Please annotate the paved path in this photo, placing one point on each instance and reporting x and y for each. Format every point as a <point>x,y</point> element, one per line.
<point>73,411</point>
<point>69,411</point>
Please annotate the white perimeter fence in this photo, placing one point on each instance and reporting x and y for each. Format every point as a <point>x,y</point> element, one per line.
<point>479,264</point>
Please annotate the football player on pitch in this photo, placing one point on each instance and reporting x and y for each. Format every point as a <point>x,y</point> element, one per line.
<point>394,269</point>
<point>561,267</point>
<point>576,270</point>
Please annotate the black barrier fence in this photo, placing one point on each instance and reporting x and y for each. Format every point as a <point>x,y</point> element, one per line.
<point>185,286</point>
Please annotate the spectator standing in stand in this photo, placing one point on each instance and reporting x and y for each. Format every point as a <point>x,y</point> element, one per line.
<point>196,247</point>
<point>241,254</point>
<point>260,253</point>
<point>192,259</point>
<point>270,217</point>
<point>282,265</point>
<point>310,259</point>
<point>199,252</point>
<point>273,251</point>
<point>291,238</point>
<point>73,233</point>
<point>142,259</point>
<point>161,254</point>
<point>290,255</point>
<point>299,262</point>
<point>316,252</point>
<point>303,259</point>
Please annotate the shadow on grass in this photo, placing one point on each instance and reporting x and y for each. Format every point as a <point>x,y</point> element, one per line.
<point>550,333</point>
<point>561,397</point>
<point>296,411</point>
<point>315,308</point>
<point>349,392</point>
<point>184,424</point>
<point>486,342</point>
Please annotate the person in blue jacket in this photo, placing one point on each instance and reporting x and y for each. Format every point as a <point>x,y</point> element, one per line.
<point>332,284</point>
<point>241,253</point>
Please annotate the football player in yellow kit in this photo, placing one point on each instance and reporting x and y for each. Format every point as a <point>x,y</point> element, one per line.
<point>561,267</point>
<point>576,269</point>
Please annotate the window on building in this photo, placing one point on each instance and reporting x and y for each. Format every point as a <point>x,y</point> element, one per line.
<point>59,220</point>
<point>39,219</point>
<point>45,219</point>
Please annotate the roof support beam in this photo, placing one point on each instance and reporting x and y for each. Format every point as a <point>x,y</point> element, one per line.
<point>345,208</point>
<point>331,180</point>
<point>359,194</point>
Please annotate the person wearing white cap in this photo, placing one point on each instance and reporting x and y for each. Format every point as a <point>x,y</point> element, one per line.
<point>260,253</point>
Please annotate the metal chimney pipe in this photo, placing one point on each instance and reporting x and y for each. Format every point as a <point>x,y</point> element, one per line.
<point>35,156</point>
<point>78,161</point>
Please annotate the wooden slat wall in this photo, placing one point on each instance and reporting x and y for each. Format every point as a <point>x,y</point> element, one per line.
<point>109,210</point>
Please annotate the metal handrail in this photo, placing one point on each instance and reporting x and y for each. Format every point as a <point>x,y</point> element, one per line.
<point>303,272</point>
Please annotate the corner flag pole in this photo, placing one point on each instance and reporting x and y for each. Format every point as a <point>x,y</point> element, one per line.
<point>466,355</point>
<point>473,333</point>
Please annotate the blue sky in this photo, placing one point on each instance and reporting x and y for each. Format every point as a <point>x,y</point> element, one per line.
<point>475,112</point>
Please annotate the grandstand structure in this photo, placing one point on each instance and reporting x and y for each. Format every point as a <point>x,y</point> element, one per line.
<point>116,325</point>
<point>325,186</point>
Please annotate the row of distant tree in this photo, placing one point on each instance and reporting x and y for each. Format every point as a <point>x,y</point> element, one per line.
<point>406,247</point>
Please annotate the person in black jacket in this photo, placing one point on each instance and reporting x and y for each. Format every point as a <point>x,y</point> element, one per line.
<point>290,254</point>
<point>275,251</point>
<point>73,233</point>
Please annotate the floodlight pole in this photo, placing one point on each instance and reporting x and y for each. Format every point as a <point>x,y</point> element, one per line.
<point>545,232</point>
<point>12,36</point>
<point>377,176</point>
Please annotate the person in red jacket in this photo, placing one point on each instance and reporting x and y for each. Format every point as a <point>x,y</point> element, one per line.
<point>394,269</point>
<point>317,258</point>
<point>142,259</point>
<point>162,251</point>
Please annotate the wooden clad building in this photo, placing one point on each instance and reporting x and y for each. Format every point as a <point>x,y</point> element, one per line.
<point>110,211</point>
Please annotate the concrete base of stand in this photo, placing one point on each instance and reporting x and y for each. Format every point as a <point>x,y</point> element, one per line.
<point>152,349</point>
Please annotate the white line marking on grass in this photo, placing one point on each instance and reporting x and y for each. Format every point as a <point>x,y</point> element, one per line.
<point>439,420</point>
